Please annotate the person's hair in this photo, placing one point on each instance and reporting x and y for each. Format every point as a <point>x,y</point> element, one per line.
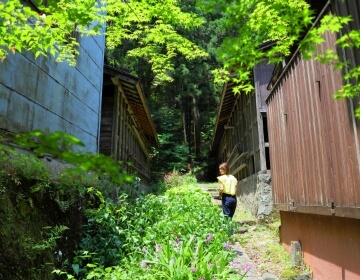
<point>225,167</point>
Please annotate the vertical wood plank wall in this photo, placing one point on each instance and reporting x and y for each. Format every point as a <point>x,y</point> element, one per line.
<point>314,141</point>
<point>241,120</point>
<point>119,135</point>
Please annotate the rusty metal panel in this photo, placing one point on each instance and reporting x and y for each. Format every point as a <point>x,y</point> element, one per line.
<point>314,143</point>
<point>330,245</point>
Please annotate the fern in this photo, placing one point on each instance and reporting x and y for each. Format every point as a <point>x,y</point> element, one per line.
<point>24,204</point>
<point>53,234</point>
<point>63,204</point>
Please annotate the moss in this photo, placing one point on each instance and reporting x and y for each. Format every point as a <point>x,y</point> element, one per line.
<point>27,207</point>
<point>290,273</point>
<point>20,229</point>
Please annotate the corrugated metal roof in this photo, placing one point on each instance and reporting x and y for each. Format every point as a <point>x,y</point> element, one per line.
<point>137,102</point>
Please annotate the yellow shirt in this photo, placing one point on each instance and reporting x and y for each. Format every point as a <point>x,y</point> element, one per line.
<point>229,183</point>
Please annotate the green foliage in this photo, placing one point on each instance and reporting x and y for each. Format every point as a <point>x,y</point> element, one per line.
<point>176,179</point>
<point>73,188</point>
<point>120,234</point>
<point>39,210</point>
<point>15,167</point>
<point>52,235</point>
<point>51,29</point>
<point>189,259</point>
<point>65,147</point>
<point>260,21</point>
<point>186,103</point>
<point>284,24</point>
<point>156,237</point>
<point>24,203</point>
<point>154,28</point>
<point>49,32</point>
<point>172,155</point>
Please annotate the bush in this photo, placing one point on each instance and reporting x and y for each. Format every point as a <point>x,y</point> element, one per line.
<point>178,235</point>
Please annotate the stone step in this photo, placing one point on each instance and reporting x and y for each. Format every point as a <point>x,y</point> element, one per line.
<point>212,189</point>
<point>247,222</point>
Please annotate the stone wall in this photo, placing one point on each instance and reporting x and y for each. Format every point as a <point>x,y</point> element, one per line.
<point>255,193</point>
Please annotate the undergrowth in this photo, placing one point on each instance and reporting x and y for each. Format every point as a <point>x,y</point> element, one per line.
<point>177,235</point>
<point>82,226</point>
<point>42,216</point>
<point>262,244</point>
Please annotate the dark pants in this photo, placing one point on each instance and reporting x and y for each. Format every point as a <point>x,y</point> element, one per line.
<point>228,205</point>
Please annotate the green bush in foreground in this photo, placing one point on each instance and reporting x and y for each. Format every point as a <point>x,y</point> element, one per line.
<point>179,235</point>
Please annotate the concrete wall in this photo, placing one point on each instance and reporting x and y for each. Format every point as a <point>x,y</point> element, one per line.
<point>255,193</point>
<point>43,94</point>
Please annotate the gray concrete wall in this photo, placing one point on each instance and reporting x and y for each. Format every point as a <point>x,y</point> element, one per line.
<point>43,94</point>
<point>256,194</point>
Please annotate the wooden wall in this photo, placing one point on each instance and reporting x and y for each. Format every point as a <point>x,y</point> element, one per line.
<point>314,141</point>
<point>123,131</point>
<point>241,131</point>
<point>315,160</point>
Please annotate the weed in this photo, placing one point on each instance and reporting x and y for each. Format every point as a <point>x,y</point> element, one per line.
<point>177,235</point>
<point>262,244</point>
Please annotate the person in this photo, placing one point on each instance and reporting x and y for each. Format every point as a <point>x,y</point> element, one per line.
<point>227,190</point>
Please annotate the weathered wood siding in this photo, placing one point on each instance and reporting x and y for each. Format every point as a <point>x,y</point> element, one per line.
<point>314,141</point>
<point>127,131</point>
<point>43,94</point>
<point>241,131</point>
<point>241,140</point>
<point>314,148</point>
<point>119,137</point>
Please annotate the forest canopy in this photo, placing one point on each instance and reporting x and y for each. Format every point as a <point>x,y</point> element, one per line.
<point>182,50</point>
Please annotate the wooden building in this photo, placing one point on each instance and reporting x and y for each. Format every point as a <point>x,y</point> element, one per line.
<point>103,107</point>
<point>241,140</point>
<point>127,131</point>
<point>315,158</point>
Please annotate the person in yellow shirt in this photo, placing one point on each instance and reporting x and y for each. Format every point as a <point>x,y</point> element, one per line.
<point>227,190</point>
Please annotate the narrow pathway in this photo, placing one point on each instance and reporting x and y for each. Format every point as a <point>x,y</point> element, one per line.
<point>242,258</point>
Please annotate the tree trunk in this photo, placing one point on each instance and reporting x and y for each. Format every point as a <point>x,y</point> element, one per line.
<point>197,132</point>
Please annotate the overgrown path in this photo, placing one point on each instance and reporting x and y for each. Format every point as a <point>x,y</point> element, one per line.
<point>242,256</point>
<point>256,244</point>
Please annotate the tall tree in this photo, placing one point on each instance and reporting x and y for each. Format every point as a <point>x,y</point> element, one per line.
<point>46,28</point>
<point>183,108</point>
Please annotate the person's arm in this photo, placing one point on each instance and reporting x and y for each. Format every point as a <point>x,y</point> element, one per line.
<point>221,189</point>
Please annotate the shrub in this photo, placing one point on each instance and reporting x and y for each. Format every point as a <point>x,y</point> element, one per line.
<point>178,235</point>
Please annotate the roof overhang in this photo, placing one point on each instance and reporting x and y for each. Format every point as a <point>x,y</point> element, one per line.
<point>135,96</point>
<point>225,109</point>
